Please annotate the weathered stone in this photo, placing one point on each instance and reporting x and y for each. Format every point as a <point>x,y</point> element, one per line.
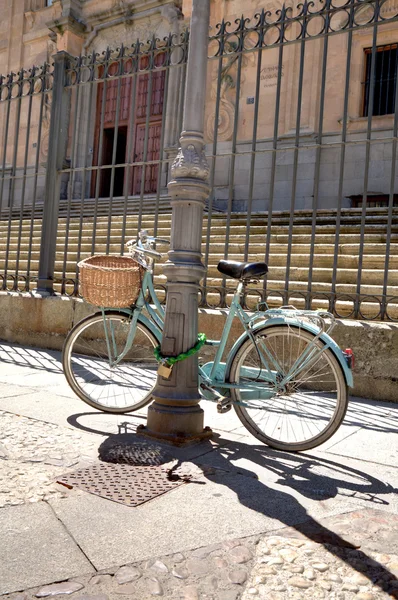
<point>350,587</point>
<point>359,579</point>
<point>364,596</point>
<point>393,567</point>
<point>158,565</point>
<point>100,580</point>
<point>227,595</point>
<point>197,567</point>
<point>333,577</point>
<point>237,576</point>
<point>297,569</point>
<point>68,587</point>
<point>128,589</point>
<point>240,554</point>
<point>309,574</point>
<point>155,587</point>
<point>299,582</point>
<point>279,588</point>
<point>288,555</point>
<point>322,567</point>
<point>127,574</point>
<point>267,570</point>
<point>252,591</point>
<point>325,585</point>
<point>177,558</point>
<point>190,592</point>
<point>220,563</point>
<point>180,573</point>
<point>275,560</point>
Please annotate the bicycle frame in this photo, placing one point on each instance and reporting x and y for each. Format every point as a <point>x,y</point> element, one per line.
<point>212,375</point>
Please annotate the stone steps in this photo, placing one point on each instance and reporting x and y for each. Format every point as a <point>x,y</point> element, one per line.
<point>79,245</point>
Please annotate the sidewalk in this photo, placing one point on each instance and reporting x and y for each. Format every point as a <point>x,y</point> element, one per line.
<point>254,523</point>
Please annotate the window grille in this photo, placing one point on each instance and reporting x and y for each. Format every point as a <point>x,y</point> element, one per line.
<point>385,76</point>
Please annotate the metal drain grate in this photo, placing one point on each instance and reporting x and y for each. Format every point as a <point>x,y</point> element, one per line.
<point>122,483</point>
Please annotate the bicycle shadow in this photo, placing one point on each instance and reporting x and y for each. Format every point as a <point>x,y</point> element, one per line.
<point>316,478</point>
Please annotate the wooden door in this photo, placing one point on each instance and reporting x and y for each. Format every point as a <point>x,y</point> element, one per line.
<point>141,117</point>
<point>153,153</point>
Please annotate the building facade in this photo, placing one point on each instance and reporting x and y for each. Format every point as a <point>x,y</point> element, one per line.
<point>313,120</point>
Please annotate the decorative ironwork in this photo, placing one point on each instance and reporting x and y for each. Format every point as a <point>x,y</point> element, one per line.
<point>247,170</point>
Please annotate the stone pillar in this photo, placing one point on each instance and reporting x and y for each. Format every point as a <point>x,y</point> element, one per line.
<point>176,415</point>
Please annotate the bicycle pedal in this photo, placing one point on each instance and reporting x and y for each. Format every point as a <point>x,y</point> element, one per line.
<point>224,405</point>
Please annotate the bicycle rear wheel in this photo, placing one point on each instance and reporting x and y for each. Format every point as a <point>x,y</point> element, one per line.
<point>313,405</point>
<point>120,389</point>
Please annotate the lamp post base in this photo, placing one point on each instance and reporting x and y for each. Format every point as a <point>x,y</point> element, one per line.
<point>179,426</point>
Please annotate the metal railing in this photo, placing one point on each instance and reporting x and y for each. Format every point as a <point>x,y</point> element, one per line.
<point>87,146</point>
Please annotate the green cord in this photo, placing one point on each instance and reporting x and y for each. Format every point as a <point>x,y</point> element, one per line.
<point>171,360</point>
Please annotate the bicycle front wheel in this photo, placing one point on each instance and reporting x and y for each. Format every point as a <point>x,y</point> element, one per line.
<point>121,388</point>
<point>313,404</point>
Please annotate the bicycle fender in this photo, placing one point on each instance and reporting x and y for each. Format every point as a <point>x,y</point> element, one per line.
<point>278,321</point>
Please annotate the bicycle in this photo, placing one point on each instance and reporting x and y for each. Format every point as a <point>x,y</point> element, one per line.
<point>286,378</point>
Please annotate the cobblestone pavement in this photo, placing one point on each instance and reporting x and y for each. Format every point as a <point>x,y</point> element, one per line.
<point>287,566</point>
<point>272,567</point>
<point>353,556</point>
<point>33,453</point>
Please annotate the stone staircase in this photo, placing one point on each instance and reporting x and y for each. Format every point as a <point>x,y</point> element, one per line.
<point>79,245</point>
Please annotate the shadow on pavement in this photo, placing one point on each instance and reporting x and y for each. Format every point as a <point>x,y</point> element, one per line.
<point>314,477</point>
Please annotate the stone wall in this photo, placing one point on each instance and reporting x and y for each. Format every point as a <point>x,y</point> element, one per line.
<point>45,322</point>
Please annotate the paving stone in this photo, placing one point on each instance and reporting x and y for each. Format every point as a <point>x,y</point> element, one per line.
<point>299,582</point>
<point>177,558</point>
<point>127,589</point>
<point>237,576</point>
<point>127,574</point>
<point>100,580</point>
<point>359,579</point>
<point>180,573</point>
<point>325,585</point>
<point>227,595</point>
<point>296,569</point>
<point>190,592</point>
<point>68,587</point>
<point>309,574</point>
<point>220,563</point>
<point>288,555</point>
<point>196,566</point>
<point>154,586</point>
<point>322,567</point>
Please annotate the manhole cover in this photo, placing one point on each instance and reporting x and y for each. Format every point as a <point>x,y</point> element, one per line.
<point>122,483</point>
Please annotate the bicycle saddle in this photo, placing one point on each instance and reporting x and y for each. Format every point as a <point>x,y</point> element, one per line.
<point>242,270</point>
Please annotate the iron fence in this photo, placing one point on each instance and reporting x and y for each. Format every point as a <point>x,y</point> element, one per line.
<point>301,139</point>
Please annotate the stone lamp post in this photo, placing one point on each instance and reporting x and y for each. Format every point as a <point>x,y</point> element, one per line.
<point>175,415</point>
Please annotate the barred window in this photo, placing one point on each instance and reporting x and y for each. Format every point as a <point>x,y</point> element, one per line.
<point>385,75</point>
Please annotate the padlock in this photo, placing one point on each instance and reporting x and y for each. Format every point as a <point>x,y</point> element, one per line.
<point>165,370</point>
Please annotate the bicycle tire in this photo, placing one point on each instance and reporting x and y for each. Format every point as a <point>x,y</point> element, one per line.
<point>292,401</point>
<point>86,365</point>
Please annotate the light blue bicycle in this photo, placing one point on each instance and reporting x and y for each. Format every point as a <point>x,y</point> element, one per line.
<point>285,376</point>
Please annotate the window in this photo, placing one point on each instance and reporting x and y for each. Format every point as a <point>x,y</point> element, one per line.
<point>385,75</point>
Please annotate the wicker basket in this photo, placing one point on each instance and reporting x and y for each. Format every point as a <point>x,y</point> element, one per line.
<point>113,281</point>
